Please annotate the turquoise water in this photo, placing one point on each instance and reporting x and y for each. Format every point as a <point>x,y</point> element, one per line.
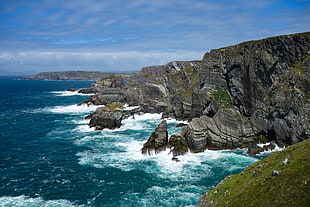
<point>49,156</point>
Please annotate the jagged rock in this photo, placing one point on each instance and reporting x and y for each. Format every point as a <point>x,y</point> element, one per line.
<point>71,89</point>
<point>178,145</point>
<point>253,149</point>
<point>158,140</point>
<point>102,119</point>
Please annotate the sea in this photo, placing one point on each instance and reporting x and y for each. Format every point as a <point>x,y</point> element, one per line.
<point>50,157</point>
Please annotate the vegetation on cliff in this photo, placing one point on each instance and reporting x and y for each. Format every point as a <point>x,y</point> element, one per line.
<point>281,179</point>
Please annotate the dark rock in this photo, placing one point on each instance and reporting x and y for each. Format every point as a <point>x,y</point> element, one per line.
<point>178,145</point>
<point>253,149</point>
<point>105,119</point>
<point>158,140</point>
<point>88,91</point>
<point>269,147</point>
<point>71,89</point>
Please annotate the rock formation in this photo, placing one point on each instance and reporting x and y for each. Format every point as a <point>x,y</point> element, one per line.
<point>104,118</point>
<point>158,140</point>
<point>256,91</point>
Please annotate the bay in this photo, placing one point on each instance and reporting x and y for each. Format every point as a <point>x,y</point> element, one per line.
<point>50,157</point>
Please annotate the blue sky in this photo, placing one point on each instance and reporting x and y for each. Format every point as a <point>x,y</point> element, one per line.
<point>125,35</point>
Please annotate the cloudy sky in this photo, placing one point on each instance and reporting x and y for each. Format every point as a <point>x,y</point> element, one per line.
<point>125,35</point>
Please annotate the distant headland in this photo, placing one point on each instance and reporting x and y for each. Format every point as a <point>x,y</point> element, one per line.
<point>69,75</point>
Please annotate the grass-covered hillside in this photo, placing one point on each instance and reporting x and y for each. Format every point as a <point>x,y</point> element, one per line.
<point>281,179</point>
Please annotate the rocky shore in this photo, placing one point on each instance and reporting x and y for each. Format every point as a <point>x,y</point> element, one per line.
<point>237,96</point>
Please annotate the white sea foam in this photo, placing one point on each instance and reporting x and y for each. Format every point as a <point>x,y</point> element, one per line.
<point>84,128</point>
<point>266,152</point>
<point>121,148</point>
<point>69,93</point>
<point>182,195</point>
<point>128,108</point>
<point>21,201</point>
<point>73,109</point>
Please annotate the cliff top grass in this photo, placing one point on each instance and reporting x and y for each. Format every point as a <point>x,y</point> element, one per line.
<point>256,186</point>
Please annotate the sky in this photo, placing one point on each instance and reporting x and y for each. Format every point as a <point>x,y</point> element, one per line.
<point>126,35</point>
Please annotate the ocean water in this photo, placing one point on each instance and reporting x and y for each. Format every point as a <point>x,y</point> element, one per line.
<point>50,157</point>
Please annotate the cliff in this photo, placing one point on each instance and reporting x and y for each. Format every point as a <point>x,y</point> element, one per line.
<point>256,91</point>
<point>281,179</point>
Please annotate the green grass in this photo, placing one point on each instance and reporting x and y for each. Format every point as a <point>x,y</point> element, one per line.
<point>291,188</point>
<point>298,67</point>
<point>222,97</point>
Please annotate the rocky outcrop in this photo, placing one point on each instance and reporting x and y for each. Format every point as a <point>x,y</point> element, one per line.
<point>226,129</point>
<point>103,118</point>
<point>158,140</point>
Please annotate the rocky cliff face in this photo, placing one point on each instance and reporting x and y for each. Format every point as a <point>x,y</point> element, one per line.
<point>252,92</point>
<point>268,81</point>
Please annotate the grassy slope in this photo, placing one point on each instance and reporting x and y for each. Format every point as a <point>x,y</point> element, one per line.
<point>291,188</point>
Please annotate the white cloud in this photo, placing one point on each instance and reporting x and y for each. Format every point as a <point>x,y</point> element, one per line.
<point>137,26</point>
<point>98,61</point>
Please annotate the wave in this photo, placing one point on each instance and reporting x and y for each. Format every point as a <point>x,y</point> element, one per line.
<point>267,152</point>
<point>127,156</point>
<point>69,93</point>
<point>21,201</point>
<point>73,109</point>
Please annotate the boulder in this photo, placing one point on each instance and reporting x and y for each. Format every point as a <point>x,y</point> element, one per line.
<point>102,119</point>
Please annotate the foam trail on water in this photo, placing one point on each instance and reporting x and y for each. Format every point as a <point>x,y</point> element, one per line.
<point>69,93</point>
<point>21,201</point>
<point>73,109</point>
<point>182,195</point>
